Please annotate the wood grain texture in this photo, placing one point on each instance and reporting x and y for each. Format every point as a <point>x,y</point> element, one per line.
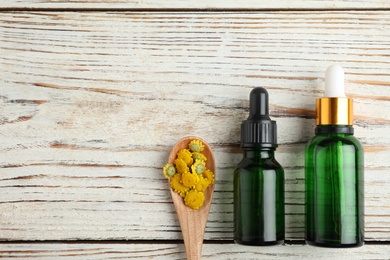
<point>91,104</point>
<point>196,4</point>
<point>177,251</point>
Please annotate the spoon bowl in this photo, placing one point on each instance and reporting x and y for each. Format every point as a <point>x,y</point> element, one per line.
<point>193,222</point>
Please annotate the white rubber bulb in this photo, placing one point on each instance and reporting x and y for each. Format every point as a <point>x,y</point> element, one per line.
<point>334,81</point>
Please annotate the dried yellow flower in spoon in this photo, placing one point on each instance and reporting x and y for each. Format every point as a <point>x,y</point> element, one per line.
<point>189,176</point>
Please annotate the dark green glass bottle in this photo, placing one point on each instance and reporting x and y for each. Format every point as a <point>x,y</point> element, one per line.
<point>259,179</point>
<point>334,185</point>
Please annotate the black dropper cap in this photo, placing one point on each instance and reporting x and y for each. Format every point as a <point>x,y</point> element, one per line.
<point>258,131</point>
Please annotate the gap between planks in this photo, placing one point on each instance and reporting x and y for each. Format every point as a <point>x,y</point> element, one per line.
<point>189,10</point>
<point>155,242</point>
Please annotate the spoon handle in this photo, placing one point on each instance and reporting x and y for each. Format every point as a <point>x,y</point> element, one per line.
<point>193,225</point>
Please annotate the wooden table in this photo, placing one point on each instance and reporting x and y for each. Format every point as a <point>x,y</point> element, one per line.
<point>93,95</point>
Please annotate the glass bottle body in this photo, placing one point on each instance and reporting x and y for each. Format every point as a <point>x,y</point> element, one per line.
<point>334,191</point>
<point>259,200</point>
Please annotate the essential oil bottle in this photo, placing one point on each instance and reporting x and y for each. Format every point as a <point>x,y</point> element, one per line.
<point>334,192</point>
<point>259,179</point>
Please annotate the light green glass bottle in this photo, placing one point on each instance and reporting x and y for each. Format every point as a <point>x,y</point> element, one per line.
<point>334,191</point>
<point>259,179</point>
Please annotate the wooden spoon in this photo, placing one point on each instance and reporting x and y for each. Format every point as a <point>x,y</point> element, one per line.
<point>193,222</point>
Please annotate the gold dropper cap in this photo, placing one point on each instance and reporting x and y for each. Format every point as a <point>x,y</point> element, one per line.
<point>334,108</point>
<point>334,111</point>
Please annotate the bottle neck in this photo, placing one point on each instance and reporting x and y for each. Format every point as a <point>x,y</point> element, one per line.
<point>259,153</point>
<point>334,129</point>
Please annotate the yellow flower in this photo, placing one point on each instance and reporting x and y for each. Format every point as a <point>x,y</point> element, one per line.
<point>189,179</point>
<point>202,184</point>
<point>169,170</point>
<point>196,146</point>
<point>181,166</point>
<point>207,174</point>
<point>199,156</point>
<point>194,199</point>
<point>177,186</point>
<point>186,156</point>
<point>198,167</point>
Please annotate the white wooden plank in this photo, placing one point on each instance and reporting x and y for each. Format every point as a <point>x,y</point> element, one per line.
<point>91,104</point>
<point>56,203</point>
<point>197,4</point>
<point>177,251</point>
